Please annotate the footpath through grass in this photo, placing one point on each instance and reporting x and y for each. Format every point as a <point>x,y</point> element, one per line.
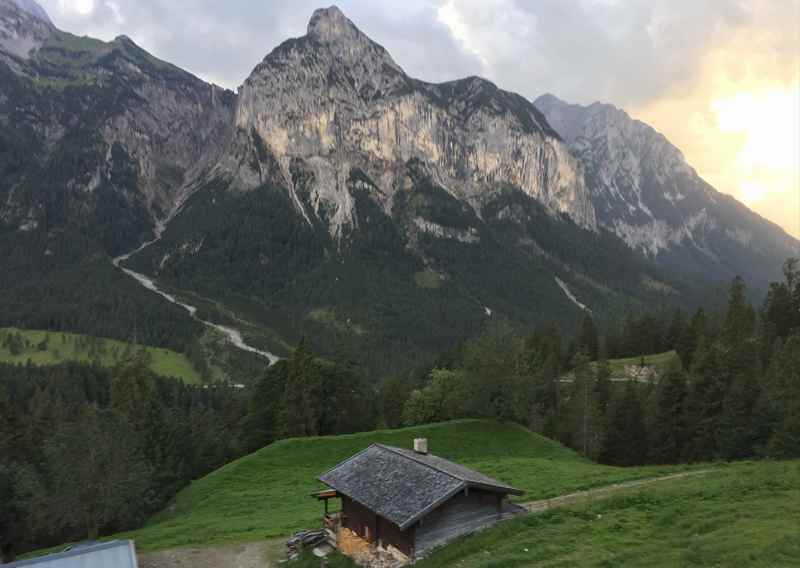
<point>739,515</point>
<point>18,346</point>
<point>267,494</point>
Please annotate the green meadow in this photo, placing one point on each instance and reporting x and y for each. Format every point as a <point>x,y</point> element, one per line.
<point>743,514</point>
<point>20,346</point>
<point>267,494</point>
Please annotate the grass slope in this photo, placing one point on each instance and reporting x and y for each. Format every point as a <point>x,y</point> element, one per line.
<point>661,361</point>
<point>267,494</point>
<point>744,514</point>
<point>52,348</point>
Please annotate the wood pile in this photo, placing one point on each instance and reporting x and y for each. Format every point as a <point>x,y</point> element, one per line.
<point>303,540</point>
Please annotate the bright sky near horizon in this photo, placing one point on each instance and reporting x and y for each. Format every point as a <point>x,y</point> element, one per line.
<point>721,78</point>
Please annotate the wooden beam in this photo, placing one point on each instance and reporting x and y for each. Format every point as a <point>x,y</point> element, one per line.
<point>326,494</point>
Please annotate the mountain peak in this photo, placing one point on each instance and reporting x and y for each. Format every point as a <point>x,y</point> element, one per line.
<point>330,24</point>
<point>331,28</point>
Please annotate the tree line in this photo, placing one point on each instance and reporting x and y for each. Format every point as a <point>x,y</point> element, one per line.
<point>86,450</point>
<point>735,392</point>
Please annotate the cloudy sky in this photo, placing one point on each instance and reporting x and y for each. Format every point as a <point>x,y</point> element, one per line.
<point>720,78</point>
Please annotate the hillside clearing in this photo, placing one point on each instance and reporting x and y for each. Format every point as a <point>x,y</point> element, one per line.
<point>54,347</point>
<point>661,361</point>
<point>266,494</point>
<point>745,514</point>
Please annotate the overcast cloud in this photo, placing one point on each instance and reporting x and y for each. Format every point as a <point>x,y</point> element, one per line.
<point>626,52</point>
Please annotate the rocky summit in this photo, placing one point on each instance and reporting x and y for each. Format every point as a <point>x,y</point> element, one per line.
<point>332,101</point>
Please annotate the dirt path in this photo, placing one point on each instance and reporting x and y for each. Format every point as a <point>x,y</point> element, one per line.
<point>251,555</point>
<point>601,492</point>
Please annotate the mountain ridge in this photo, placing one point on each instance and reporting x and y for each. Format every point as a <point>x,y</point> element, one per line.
<point>334,196</point>
<point>334,99</point>
<point>645,192</point>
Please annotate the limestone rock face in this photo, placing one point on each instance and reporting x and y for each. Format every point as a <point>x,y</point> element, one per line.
<point>24,26</point>
<point>176,132</point>
<point>322,105</point>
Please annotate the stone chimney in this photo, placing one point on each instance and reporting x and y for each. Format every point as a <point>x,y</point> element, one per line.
<point>421,445</point>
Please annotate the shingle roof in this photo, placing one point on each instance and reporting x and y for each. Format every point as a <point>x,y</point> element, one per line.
<point>403,486</point>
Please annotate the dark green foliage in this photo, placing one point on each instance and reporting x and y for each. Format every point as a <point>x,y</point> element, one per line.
<point>63,281</point>
<point>85,449</point>
<point>626,440</point>
<point>263,423</point>
<point>96,475</point>
<point>445,397</point>
<point>668,428</point>
<point>776,423</point>
<point>588,339</point>
<point>725,406</point>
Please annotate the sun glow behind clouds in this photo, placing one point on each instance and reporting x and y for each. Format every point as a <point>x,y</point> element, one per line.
<point>739,126</point>
<point>82,7</point>
<point>769,122</point>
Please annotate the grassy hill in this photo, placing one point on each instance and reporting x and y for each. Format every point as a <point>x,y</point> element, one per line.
<point>744,514</point>
<point>18,346</point>
<point>267,493</point>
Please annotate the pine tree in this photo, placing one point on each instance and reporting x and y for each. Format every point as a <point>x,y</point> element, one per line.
<point>740,317</point>
<point>626,441</point>
<point>132,391</point>
<point>295,419</point>
<point>263,420</point>
<point>708,388</point>
<point>782,402</point>
<point>669,427</point>
<point>588,339</point>
<point>97,475</point>
<point>586,433</point>
<point>10,515</point>
<point>677,328</point>
<point>394,393</point>
<point>737,438</point>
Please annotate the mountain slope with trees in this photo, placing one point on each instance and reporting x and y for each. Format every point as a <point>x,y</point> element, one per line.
<point>472,209</point>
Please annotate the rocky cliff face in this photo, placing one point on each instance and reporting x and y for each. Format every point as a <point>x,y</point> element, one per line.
<point>145,130</point>
<point>24,26</point>
<point>322,105</point>
<point>644,191</point>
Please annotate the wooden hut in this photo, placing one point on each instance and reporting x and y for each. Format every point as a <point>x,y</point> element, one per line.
<point>410,501</point>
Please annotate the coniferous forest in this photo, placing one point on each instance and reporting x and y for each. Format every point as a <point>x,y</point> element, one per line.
<point>86,451</point>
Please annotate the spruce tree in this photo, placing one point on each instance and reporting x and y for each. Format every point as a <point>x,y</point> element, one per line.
<point>740,317</point>
<point>585,432</point>
<point>677,328</point>
<point>296,415</point>
<point>669,423</point>
<point>626,442</point>
<point>780,403</point>
<point>96,474</point>
<point>588,339</point>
